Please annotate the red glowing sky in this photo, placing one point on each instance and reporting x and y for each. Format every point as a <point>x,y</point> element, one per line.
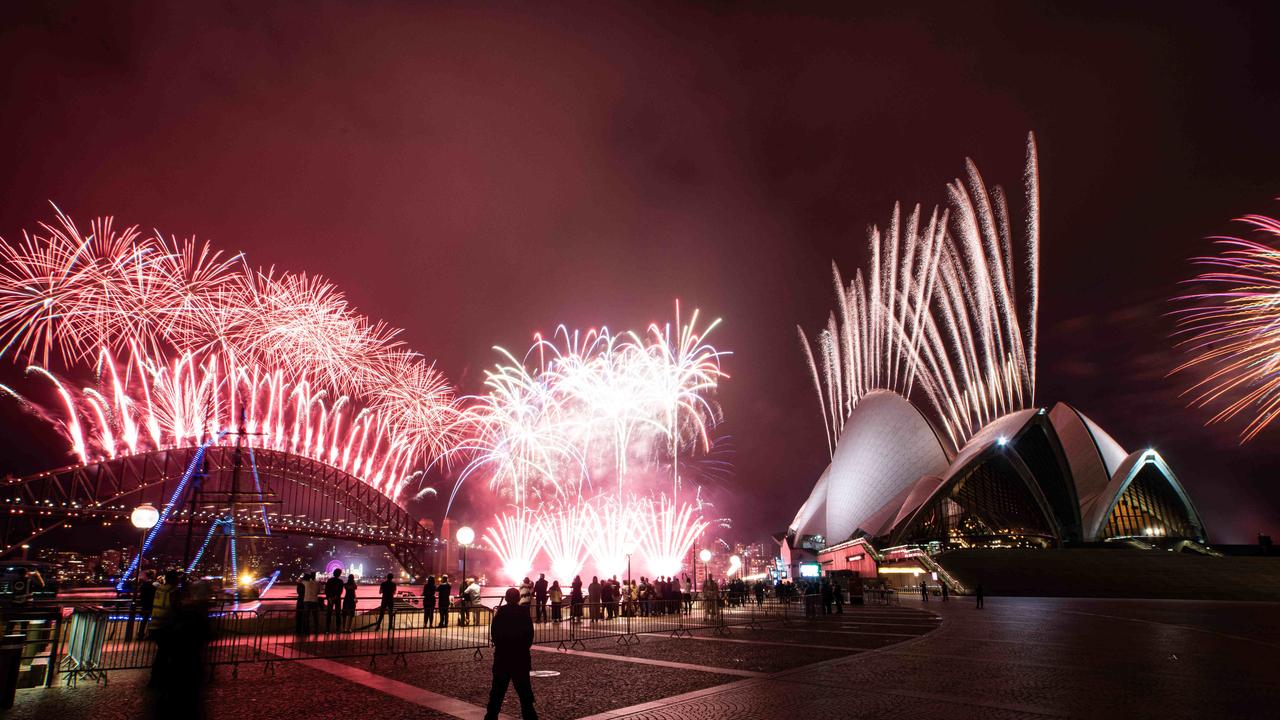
<point>474,174</point>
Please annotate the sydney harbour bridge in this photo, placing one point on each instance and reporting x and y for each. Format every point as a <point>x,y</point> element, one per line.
<point>257,492</point>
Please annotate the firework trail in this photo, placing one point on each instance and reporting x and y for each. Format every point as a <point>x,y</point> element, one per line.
<point>937,313</point>
<point>515,537</point>
<point>582,425</point>
<point>181,339</point>
<point>1232,329</point>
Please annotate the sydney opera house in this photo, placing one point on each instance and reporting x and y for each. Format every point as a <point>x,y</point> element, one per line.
<point>1032,478</point>
<point>925,375</point>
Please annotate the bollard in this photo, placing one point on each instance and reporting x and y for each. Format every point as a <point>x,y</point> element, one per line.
<point>10,659</point>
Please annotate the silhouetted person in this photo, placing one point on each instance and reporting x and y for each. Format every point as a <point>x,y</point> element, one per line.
<point>349,603</point>
<point>442,592</point>
<point>333,600</point>
<point>977,593</point>
<point>945,592</point>
<point>429,602</point>
<point>828,597</point>
<point>540,597</point>
<point>759,593</point>
<point>575,600</point>
<point>512,635</point>
<point>593,598</point>
<point>147,598</point>
<point>839,592</point>
<point>387,606</point>
<point>178,680</point>
<point>300,609</point>
<point>924,591</point>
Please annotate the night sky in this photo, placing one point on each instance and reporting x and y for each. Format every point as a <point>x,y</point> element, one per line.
<point>475,173</point>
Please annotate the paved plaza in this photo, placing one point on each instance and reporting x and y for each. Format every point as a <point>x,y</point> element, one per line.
<point>1018,658</point>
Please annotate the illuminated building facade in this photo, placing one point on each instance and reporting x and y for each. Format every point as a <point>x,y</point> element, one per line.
<point>1032,478</point>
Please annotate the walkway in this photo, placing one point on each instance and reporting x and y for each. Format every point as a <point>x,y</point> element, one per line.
<point>1019,658</point>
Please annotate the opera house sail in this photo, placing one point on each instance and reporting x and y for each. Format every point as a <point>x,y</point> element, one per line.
<point>925,376</point>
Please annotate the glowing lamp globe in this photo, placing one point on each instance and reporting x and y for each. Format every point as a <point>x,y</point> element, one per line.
<point>466,535</point>
<point>704,555</point>
<point>145,516</point>
<point>735,561</point>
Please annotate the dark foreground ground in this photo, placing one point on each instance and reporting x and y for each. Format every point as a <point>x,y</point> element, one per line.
<point>1018,658</point>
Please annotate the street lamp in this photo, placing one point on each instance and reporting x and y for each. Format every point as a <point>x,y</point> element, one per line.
<point>705,556</point>
<point>144,517</point>
<point>628,637</point>
<point>465,537</point>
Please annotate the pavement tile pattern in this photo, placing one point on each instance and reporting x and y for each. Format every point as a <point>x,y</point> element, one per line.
<point>1018,658</point>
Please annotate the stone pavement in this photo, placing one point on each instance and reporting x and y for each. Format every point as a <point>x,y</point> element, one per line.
<point>1020,657</point>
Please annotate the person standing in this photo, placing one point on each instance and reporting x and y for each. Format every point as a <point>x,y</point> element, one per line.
<point>924,591</point>
<point>333,600</point>
<point>311,603</point>
<point>759,593</point>
<point>575,600</point>
<point>944,591</point>
<point>442,605</point>
<point>839,591</point>
<point>387,604</point>
<point>606,599</point>
<point>556,596</point>
<point>977,592</point>
<point>540,597</point>
<point>471,596</point>
<point>512,634</point>
<point>429,602</point>
<point>526,596</point>
<point>147,596</point>
<point>593,598</point>
<point>349,603</point>
<point>828,597</point>
<point>300,609</point>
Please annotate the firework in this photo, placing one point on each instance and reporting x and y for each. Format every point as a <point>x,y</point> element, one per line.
<point>564,538</point>
<point>666,533</point>
<point>1232,329</point>
<point>209,344</point>
<point>938,313</point>
<point>514,537</point>
<point>583,429</point>
<point>592,405</point>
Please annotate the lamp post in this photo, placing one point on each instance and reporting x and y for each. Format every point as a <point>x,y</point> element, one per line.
<point>705,556</point>
<point>465,537</point>
<point>144,517</point>
<point>629,637</point>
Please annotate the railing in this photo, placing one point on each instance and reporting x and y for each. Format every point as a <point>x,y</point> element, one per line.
<point>90,641</point>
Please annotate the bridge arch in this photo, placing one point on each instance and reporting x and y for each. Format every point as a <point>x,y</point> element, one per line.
<point>298,496</point>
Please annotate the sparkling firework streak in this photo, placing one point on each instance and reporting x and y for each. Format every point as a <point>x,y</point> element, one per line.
<point>938,312</point>
<point>658,534</point>
<point>1232,329</point>
<point>666,533</point>
<point>581,427</point>
<point>564,539</point>
<point>611,534</point>
<point>514,537</point>
<point>206,341</point>
<point>591,406</point>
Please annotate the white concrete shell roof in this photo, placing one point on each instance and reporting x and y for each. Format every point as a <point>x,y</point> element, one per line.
<point>1094,515</point>
<point>889,462</point>
<point>812,517</point>
<point>886,446</point>
<point>1092,455</point>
